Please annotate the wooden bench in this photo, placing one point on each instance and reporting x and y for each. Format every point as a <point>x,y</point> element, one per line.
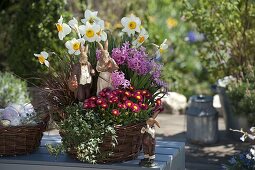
<point>169,156</point>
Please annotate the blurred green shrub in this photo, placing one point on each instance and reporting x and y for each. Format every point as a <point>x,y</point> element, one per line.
<point>242,95</point>
<point>29,28</point>
<point>33,31</point>
<point>12,90</point>
<point>229,26</point>
<point>183,69</point>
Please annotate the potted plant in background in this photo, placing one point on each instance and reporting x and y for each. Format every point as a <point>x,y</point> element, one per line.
<point>12,90</point>
<point>228,51</point>
<point>241,95</point>
<point>106,126</point>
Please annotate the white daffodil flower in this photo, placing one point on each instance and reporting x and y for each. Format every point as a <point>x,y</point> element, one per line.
<point>162,48</point>
<point>63,28</point>
<point>42,58</point>
<point>141,38</point>
<point>90,17</point>
<point>74,24</point>
<point>89,31</point>
<point>101,24</point>
<point>101,36</point>
<point>74,45</point>
<point>131,24</point>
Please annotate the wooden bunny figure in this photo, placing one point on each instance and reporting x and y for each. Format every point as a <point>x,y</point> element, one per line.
<point>149,141</point>
<point>105,66</point>
<point>81,76</point>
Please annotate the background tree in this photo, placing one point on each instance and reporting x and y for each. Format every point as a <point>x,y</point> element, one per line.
<point>229,26</point>
<point>29,28</point>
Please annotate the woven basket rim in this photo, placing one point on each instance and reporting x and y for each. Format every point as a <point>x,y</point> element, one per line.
<point>24,126</point>
<point>17,140</point>
<point>37,124</point>
<point>133,147</point>
<point>128,125</point>
<point>118,126</point>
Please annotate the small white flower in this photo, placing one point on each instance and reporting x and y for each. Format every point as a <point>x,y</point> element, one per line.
<point>141,38</point>
<point>252,129</point>
<point>89,31</point>
<point>42,58</point>
<point>131,24</point>
<point>63,28</point>
<point>90,17</point>
<point>226,81</point>
<point>73,23</point>
<point>248,156</point>
<point>252,137</point>
<point>252,151</point>
<point>74,45</point>
<point>243,138</point>
<point>162,48</point>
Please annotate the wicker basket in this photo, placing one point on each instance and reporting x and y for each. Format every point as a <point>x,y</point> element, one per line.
<point>128,147</point>
<point>18,140</point>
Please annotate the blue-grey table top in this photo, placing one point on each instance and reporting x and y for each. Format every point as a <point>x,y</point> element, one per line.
<point>166,151</point>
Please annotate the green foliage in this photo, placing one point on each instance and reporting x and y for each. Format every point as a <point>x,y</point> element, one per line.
<point>182,67</point>
<point>32,30</point>
<point>55,150</point>
<point>30,23</point>
<point>12,90</point>
<point>229,26</point>
<point>84,131</point>
<point>242,97</point>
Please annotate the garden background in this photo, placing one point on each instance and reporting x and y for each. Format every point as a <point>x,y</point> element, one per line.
<point>27,27</point>
<point>207,40</point>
